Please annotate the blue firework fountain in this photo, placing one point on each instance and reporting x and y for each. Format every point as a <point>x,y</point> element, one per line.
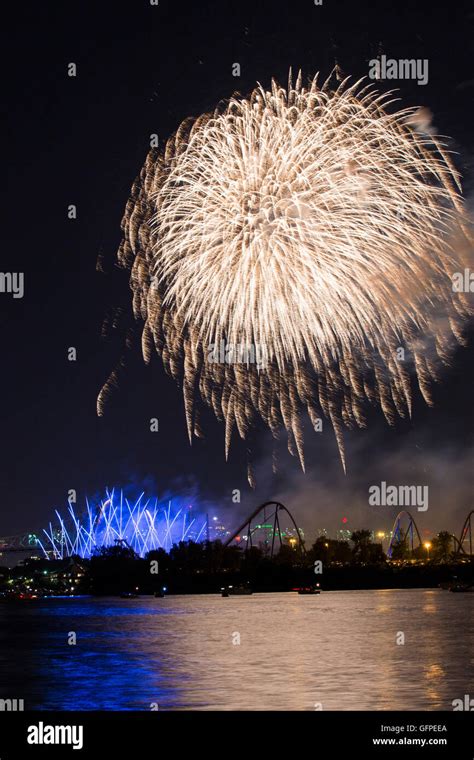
<point>142,525</point>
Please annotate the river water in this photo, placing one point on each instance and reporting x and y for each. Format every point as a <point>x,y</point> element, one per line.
<point>336,651</point>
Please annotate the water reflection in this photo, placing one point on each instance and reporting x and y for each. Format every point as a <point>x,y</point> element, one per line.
<point>339,649</point>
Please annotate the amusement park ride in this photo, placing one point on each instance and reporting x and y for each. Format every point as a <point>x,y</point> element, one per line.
<point>406,529</point>
<point>269,517</point>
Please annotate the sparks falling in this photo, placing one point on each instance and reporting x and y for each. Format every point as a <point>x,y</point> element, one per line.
<point>315,224</point>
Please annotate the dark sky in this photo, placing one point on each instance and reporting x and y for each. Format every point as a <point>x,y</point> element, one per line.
<point>141,70</point>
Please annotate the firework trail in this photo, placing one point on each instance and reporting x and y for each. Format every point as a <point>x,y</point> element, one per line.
<point>141,525</point>
<point>314,223</point>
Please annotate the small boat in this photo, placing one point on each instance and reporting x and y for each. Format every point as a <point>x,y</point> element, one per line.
<point>161,593</point>
<point>128,595</point>
<point>236,591</point>
<point>462,588</point>
<point>310,590</point>
<point>20,596</point>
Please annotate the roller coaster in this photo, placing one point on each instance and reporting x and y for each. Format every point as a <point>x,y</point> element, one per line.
<point>404,529</point>
<point>466,533</point>
<point>271,511</point>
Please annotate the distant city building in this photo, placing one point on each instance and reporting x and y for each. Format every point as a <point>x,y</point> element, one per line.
<point>343,534</point>
<point>217,530</point>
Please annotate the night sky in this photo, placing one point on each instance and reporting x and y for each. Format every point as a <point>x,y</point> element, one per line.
<point>83,140</point>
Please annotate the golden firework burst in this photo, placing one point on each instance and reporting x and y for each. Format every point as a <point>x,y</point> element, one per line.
<point>319,228</point>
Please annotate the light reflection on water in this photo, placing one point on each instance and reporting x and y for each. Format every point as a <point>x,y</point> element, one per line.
<point>338,649</point>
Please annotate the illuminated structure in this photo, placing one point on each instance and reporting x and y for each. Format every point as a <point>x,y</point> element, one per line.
<point>217,530</point>
<point>272,511</point>
<point>466,534</point>
<point>402,534</point>
<point>141,526</point>
<point>343,534</point>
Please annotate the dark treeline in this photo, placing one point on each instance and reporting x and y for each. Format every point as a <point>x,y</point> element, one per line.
<point>209,566</point>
